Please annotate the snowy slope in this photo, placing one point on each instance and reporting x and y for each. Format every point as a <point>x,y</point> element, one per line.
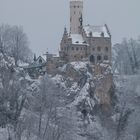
<point>80,112</point>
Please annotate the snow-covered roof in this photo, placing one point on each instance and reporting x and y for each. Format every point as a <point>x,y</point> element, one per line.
<point>77,39</point>
<point>39,60</point>
<point>97,31</point>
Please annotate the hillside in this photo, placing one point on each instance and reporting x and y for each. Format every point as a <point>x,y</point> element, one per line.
<point>82,102</point>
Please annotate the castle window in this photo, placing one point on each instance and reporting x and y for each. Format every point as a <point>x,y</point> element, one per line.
<point>62,49</point>
<point>72,48</point>
<point>77,49</point>
<point>99,49</point>
<point>74,6</point>
<point>92,59</point>
<point>74,12</point>
<point>81,48</point>
<point>105,57</point>
<point>40,61</point>
<point>93,49</point>
<point>106,49</point>
<point>99,58</point>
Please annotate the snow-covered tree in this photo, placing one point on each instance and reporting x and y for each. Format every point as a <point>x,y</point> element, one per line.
<point>126,59</point>
<point>14,43</point>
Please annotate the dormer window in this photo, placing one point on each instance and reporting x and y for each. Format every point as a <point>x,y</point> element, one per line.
<point>84,42</point>
<point>77,42</point>
<point>90,34</point>
<point>102,34</point>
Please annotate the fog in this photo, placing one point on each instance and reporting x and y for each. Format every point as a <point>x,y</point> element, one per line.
<point>44,20</point>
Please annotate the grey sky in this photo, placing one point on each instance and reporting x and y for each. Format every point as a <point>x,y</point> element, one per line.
<point>44,20</point>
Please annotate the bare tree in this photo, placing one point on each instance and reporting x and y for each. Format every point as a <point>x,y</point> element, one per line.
<point>123,121</point>
<point>126,56</point>
<point>14,43</point>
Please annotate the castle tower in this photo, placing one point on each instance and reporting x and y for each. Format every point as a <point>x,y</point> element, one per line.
<point>76,13</point>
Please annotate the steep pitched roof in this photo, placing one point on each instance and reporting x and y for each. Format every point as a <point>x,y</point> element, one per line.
<point>97,31</point>
<point>40,60</point>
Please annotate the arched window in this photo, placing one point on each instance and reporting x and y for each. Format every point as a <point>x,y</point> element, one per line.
<point>99,58</point>
<point>92,59</point>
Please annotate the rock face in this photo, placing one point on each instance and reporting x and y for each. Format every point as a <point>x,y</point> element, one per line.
<point>98,80</point>
<point>88,89</point>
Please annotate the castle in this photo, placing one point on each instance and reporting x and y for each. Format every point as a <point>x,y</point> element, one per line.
<point>82,43</point>
<point>92,43</point>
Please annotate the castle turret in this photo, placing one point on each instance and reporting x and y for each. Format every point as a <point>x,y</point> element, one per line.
<point>76,14</point>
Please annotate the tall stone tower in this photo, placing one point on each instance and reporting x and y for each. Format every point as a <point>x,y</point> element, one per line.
<point>76,14</point>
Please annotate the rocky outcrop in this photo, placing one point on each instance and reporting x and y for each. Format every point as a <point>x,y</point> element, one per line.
<point>98,78</point>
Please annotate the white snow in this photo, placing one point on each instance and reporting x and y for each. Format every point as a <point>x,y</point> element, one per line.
<point>83,95</point>
<point>79,65</point>
<point>77,39</point>
<point>58,79</point>
<point>96,30</point>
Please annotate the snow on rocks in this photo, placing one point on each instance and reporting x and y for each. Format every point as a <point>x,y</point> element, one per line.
<point>79,65</point>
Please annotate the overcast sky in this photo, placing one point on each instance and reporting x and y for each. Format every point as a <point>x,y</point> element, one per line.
<point>44,20</point>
